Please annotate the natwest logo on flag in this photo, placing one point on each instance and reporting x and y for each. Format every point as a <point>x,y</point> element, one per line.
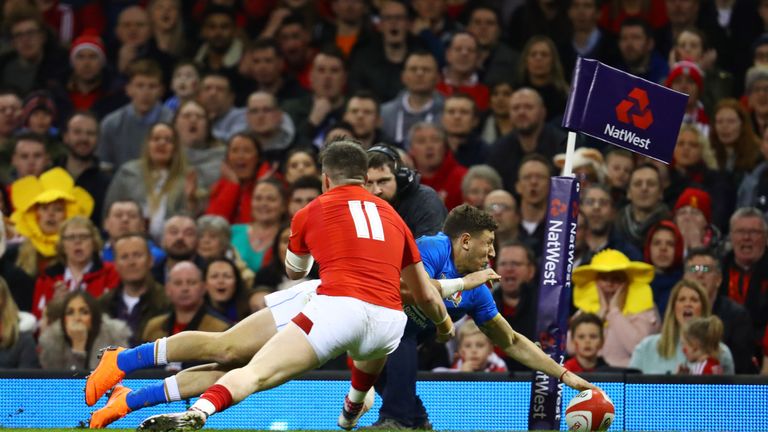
<point>624,110</point>
<point>643,117</point>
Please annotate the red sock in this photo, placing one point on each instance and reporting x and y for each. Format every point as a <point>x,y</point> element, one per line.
<point>362,381</point>
<point>219,396</point>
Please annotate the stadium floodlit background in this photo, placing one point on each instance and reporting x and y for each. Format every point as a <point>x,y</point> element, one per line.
<point>454,401</point>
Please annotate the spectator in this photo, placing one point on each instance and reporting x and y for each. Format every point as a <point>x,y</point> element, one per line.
<point>186,291</point>
<point>686,77</point>
<point>347,30</point>
<point>362,114</point>
<point>226,291</point>
<point>30,157</point>
<point>132,34</point>
<point>736,146</point>
<point>515,294</point>
<point>599,210</point>
<point>753,191</point>
<point>745,267</point>
<point>460,73</point>
<point>125,217</point>
<point>531,135</point>
<point>42,204</point>
<point>690,14</point>
<point>36,60</point>
<point>10,120</point>
<point>419,206</point>
<point>418,102</point>
<point>693,215</point>
<point>636,47</point>
<point>613,14</point>
<point>619,164</point>
<point>587,39</point>
<point>301,162</point>
<point>435,161</point>
<point>77,332</point>
<point>664,251</point>
<point>80,139</point>
<point>645,206</point>
<point>293,39</point>
<point>756,92</point>
<point>497,122</point>
<point>588,166</point>
<point>431,22</point>
<point>695,166</point>
<point>378,66</point>
<point>533,188</point>
<point>180,239</point>
<point>217,97</point>
<point>204,153</point>
<point>701,345</point>
<point>241,169</point>
<point>138,297</point>
<point>273,127</point>
<point>262,69</point>
<point>168,41</point>
<point>475,352</point>
<point>536,17</point>
<point>67,21</point>
<point>122,130</point>
<point>158,180</point>
<point>314,114</point>
<point>502,206</point>
<point>214,236</point>
<point>586,335</point>
<point>17,345</point>
<point>221,50</point>
<point>541,70</point>
<point>90,84</point>
<point>703,266</point>
<point>618,291</point>
<point>254,240</point>
<point>39,116</point>
<point>273,275</point>
<point>78,267</point>
<point>477,183</point>
<point>302,192</point>
<point>663,353</point>
<point>185,84</point>
<point>496,58</point>
<point>459,119</point>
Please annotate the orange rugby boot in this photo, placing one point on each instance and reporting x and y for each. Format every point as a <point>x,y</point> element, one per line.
<point>105,376</point>
<point>115,409</point>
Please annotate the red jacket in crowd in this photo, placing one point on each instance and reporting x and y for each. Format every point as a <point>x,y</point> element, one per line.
<point>101,278</point>
<point>447,181</point>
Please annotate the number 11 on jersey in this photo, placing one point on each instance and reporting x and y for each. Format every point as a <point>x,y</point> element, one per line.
<point>365,214</point>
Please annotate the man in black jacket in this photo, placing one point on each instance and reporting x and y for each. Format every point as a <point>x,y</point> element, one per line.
<point>702,266</point>
<point>418,205</point>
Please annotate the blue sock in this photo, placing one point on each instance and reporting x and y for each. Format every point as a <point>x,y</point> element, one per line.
<point>146,396</point>
<point>141,357</point>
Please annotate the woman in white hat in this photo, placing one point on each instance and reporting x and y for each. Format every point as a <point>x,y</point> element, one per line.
<point>618,290</point>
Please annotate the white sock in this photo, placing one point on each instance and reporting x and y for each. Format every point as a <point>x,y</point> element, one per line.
<point>205,406</point>
<point>172,392</point>
<point>355,395</point>
<point>161,352</point>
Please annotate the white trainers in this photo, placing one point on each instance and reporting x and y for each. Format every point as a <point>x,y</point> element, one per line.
<point>349,417</point>
<point>186,421</point>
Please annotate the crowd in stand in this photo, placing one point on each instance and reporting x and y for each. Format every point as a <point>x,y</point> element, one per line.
<point>137,134</point>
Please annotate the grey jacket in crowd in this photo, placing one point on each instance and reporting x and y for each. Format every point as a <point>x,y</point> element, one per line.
<point>123,132</point>
<point>397,118</point>
<point>56,353</point>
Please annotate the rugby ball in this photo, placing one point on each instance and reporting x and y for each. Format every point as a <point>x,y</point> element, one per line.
<point>590,410</point>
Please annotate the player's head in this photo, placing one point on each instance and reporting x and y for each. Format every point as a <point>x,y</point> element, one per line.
<point>471,231</point>
<point>344,162</point>
<point>587,335</point>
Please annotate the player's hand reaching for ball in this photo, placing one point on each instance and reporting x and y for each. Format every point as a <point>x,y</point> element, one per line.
<point>576,382</point>
<point>475,279</point>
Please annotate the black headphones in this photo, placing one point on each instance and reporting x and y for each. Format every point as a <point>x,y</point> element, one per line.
<point>403,174</point>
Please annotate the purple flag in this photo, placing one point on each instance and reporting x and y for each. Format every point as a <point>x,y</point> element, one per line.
<point>554,297</point>
<point>624,110</point>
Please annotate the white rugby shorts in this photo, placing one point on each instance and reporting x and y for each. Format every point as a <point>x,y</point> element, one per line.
<point>286,304</point>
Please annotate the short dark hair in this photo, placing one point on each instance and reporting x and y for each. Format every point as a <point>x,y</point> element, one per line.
<point>465,96</point>
<point>127,236</point>
<point>364,94</point>
<point>645,165</point>
<point>530,255</point>
<point>144,67</point>
<point>345,161</point>
<point>535,157</point>
<point>87,114</point>
<point>334,52</point>
<point>637,22</point>
<point>218,74</point>
<point>585,318</point>
<point>262,44</point>
<point>704,252</point>
<point>467,219</point>
<point>29,136</point>
<point>215,9</point>
<point>306,182</point>
<point>122,200</point>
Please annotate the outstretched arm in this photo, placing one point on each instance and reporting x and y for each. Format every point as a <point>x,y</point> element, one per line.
<point>526,352</point>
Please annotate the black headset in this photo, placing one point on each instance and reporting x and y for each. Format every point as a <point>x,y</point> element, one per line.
<point>403,174</point>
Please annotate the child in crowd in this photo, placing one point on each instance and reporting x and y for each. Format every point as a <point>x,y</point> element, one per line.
<point>701,346</point>
<point>586,332</point>
<point>185,84</point>
<point>475,352</point>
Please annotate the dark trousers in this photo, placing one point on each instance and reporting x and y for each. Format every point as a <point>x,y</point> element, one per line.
<point>397,385</point>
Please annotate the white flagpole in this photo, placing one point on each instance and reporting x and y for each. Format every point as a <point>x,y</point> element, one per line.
<point>570,148</point>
